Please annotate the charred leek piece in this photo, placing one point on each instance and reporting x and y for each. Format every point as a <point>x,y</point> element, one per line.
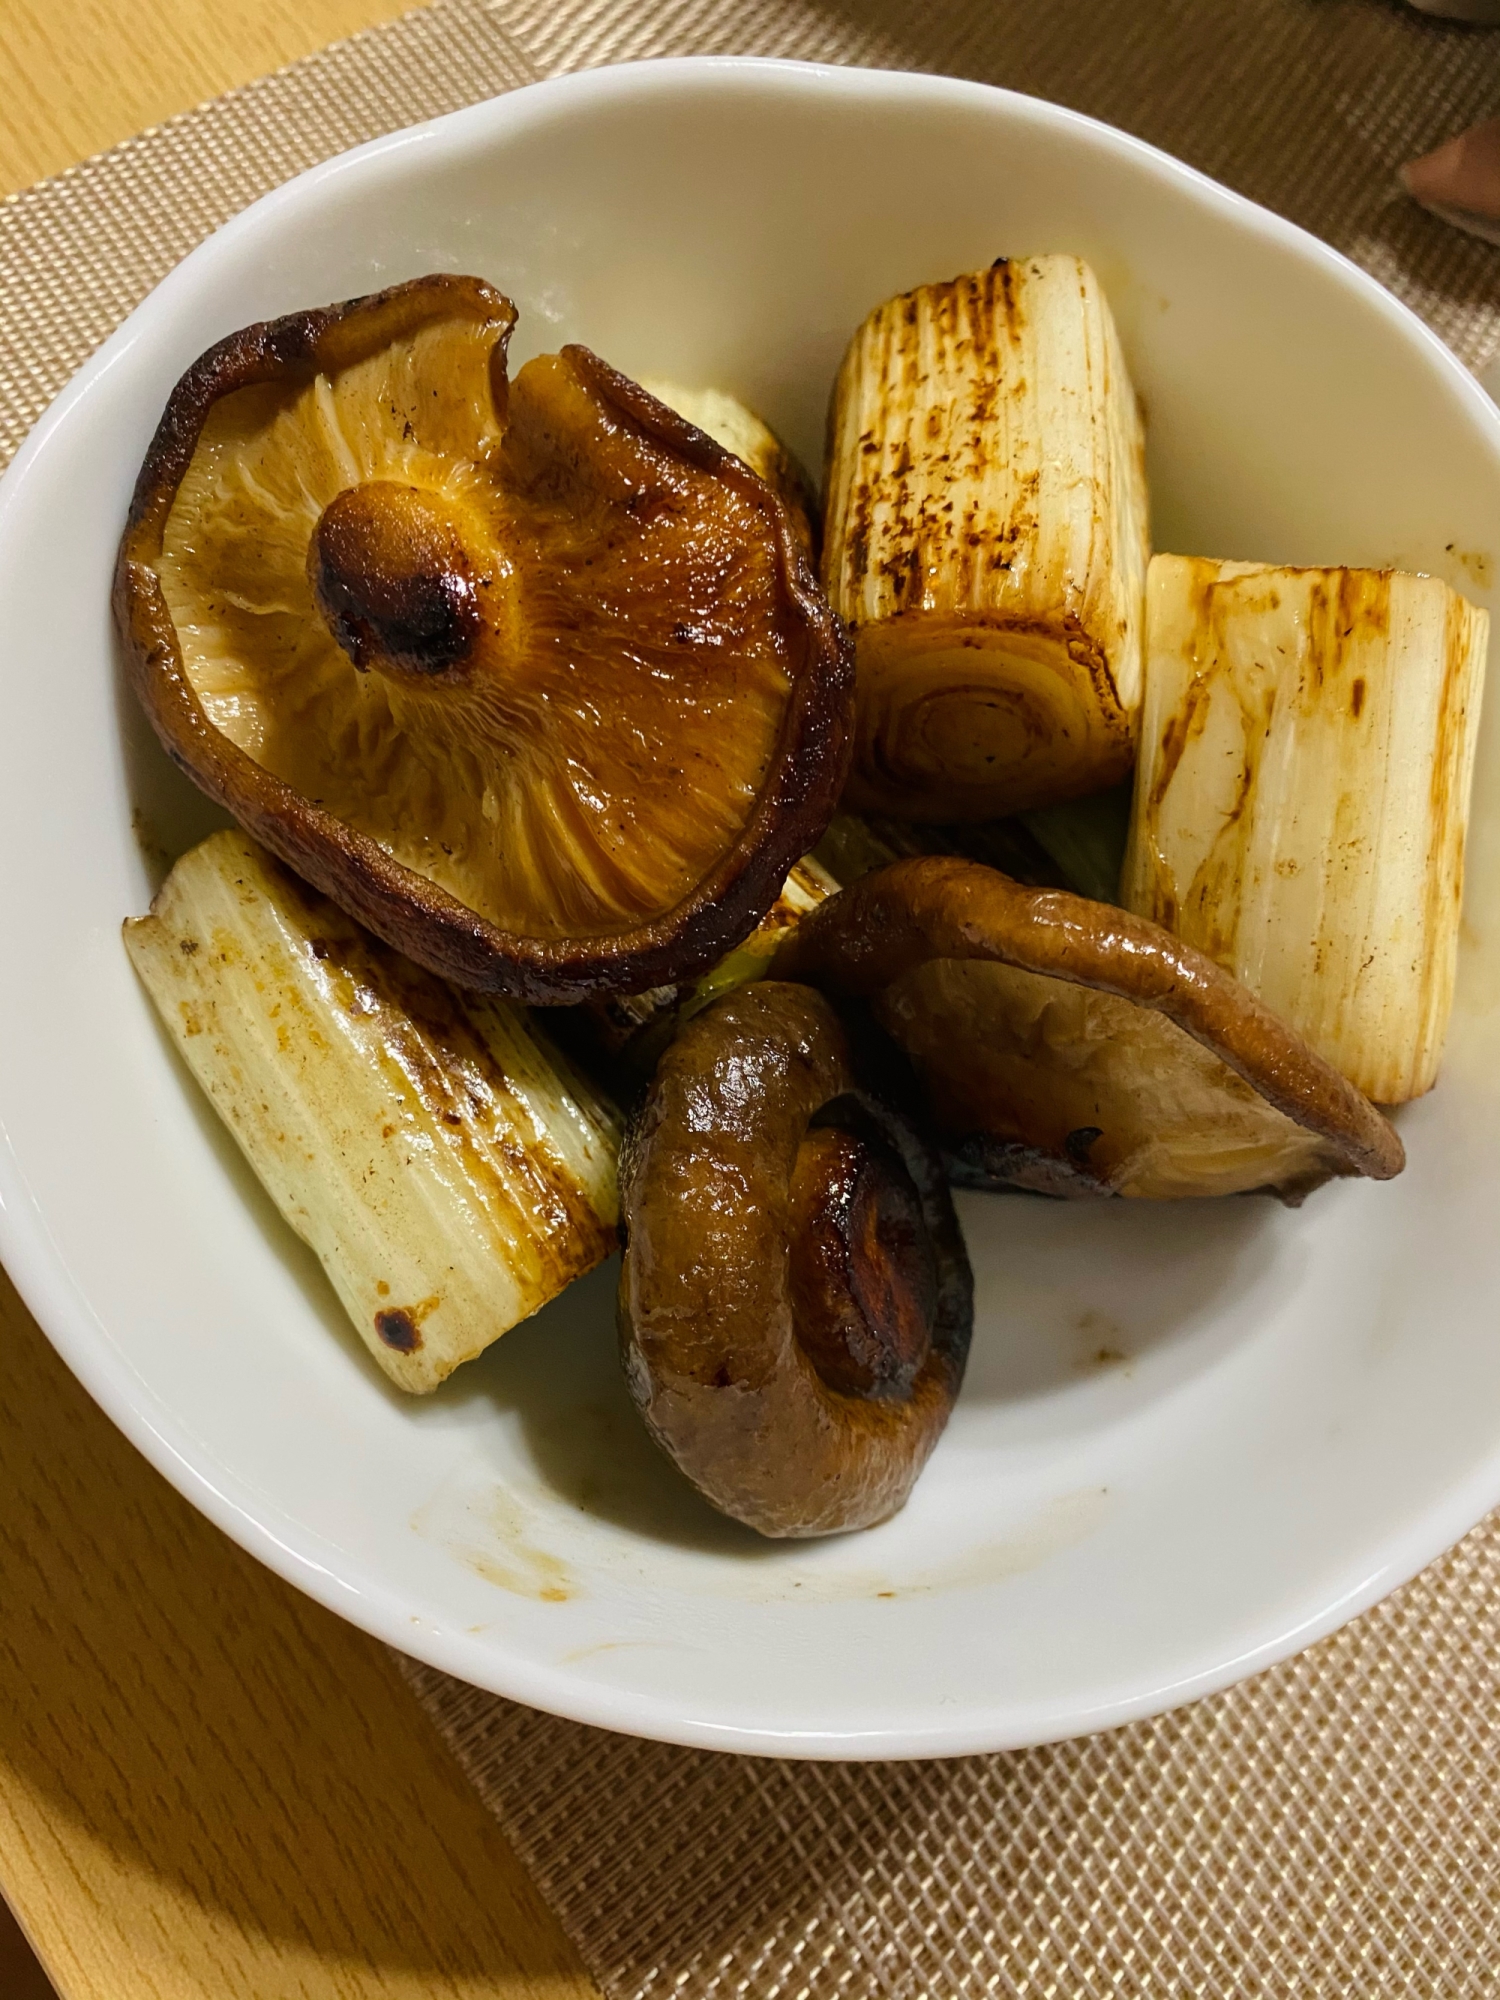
<point>1303,794</point>
<point>986,540</point>
<point>450,1172</point>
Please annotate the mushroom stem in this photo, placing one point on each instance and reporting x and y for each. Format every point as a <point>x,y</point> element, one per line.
<point>863,1279</point>
<point>393,581</point>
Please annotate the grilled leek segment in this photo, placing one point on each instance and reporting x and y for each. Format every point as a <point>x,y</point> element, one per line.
<point>985,540</point>
<point>448,1168</point>
<point>1303,794</point>
<point>734,425</point>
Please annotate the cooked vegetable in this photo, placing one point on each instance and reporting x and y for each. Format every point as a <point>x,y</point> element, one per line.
<point>730,423</point>
<point>623,1035</point>
<point>1084,839</point>
<point>857,844</point>
<point>1303,795</point>
<point>985,540</point>
<point>796,1301</point>
<point>448,1168</point>
<point>1070,1047</point>
<point>533,679</point>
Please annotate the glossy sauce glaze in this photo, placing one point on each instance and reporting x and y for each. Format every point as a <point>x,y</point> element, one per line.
<point>796,1301</point>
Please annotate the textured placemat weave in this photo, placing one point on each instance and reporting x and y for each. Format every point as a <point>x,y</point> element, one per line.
<point>1331,1828</point>
<point>78,252</point>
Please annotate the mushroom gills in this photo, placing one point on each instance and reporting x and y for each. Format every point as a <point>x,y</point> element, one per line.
<point>531,676</point>
<point>736,426</point>
<point>795,1299</point>
<point>501,783</point>
<point>985,540</point>
<point>1302,799</point>
<point>447,1166</point>
<point>1075,1049</point>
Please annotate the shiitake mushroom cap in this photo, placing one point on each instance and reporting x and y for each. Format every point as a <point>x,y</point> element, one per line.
<point>534,509</point>
<point>1069,1047</point>
<point>796,1300</point>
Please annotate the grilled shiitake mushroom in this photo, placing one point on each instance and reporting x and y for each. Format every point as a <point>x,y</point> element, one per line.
<point>1069,1047</point>
<point>734,425</point>
<point>796,1300</point>
<point>533,678</point>
<point>620,1036</point>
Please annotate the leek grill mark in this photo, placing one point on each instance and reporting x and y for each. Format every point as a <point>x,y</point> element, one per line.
<point>986,540</point>
<point>1302,796</point>
<point>446,1165</point>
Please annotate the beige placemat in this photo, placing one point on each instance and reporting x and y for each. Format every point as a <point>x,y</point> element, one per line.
<point>1331,1828</point>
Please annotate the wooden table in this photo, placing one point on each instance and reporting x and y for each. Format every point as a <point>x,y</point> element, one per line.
<point>209,1786</point>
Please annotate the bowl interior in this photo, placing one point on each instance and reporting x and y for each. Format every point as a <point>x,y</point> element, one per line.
<point>1192,1436</point>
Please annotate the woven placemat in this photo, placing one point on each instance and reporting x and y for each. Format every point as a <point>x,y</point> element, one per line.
<point>1329,1828</point>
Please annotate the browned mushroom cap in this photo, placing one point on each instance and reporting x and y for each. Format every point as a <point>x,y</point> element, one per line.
<point>1070,1047</point>
<point>534,678</point>
<point>796,1301</point>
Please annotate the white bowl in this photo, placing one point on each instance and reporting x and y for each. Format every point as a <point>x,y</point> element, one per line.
<point>1309,1405</point>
